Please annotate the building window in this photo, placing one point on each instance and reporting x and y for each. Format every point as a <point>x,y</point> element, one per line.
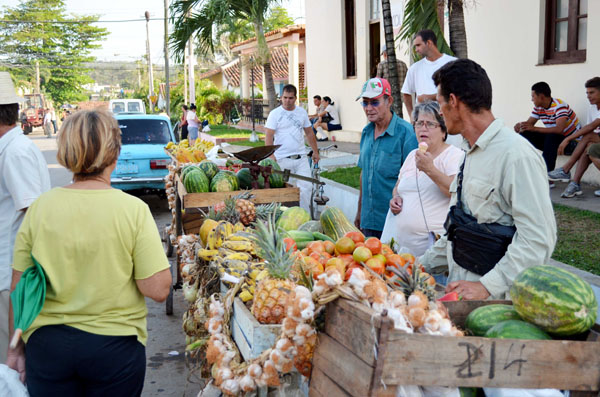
<point>566,31</point>
<point>349,39</point>
<point>375,9</point>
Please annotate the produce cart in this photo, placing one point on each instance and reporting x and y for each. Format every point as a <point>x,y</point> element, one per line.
<point>189,218</point>
<point>371,358</point>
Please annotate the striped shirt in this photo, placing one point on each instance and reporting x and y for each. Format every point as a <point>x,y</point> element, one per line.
<point>557,110</point>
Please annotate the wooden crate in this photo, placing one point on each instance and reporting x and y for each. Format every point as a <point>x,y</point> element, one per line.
<point>347,363</point>
<point>251,337</point>
<point>288,195</point>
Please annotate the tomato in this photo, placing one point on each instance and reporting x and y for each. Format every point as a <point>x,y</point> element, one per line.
<point>316,246</point>
<point>373,244</point>
<point>329,247</point>
<point>376,265</point>
<point>357,237</point>
<point>290,244</point>
<point>345,245</point>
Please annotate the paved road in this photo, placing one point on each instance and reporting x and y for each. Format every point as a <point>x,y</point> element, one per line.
<point>166,373</point>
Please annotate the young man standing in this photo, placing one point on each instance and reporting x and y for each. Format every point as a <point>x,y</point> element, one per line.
<point>23,178</point>
<point>286,126</point>
<point>559,121</point>
<point>384,145</point>
<point>418,80</point>
<point>502,183</point>
<point>589,135</point>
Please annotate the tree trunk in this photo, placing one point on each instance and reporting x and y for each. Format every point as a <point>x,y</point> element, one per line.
<point>391,56</point>
<point>458,34</point>
<point>263,57</point>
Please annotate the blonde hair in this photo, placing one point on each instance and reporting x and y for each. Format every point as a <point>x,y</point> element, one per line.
<point>88,142</point>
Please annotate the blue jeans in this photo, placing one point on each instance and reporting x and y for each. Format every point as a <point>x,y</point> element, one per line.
<point>371,233</point>
<point>192,133</point>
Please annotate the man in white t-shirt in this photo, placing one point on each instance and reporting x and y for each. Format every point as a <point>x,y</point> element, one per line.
<point>419,80</point>
<point>23,177</point>
<point>590,134</point>
<point>286,126</point>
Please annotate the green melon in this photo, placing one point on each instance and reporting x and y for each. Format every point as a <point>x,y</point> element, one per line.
<point>480,320</point>
<point>275,180</point>
<point>293,218</point>
<point>209,168</point>
<point>196,182</point>
<point>554,299</point>
<point>311,226</point>
<point>245,179</point>
<point>224,181</point>
<point>516,329</point>
<point>185,170</point>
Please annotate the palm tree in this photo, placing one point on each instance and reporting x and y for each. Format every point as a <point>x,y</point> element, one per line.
<point>424,14</point>
<point>203,25</point>
<point>388,28</point>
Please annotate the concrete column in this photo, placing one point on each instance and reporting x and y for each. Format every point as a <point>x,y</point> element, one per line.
<point>245,77</point>
<point>293,64</point>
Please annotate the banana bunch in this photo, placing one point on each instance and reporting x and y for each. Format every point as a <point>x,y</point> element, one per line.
<point>227,232</point>
<point>257,274</point>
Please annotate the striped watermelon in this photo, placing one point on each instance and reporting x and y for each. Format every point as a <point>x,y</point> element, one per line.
<point>245,178</point>
<point>185,170</point>
<point>293,218</point>
<point>275,180</point>
<point>480,320</point>
<point>209,168</point>
<point>516,329</point>
<point>196,182</point>
<point>554,299</point>
<point>224,181</point>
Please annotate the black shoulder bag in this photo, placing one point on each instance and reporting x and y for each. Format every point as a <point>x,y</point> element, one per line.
<point>476,247</point>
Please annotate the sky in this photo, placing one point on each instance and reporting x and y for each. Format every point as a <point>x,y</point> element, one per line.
<point>127,40</point>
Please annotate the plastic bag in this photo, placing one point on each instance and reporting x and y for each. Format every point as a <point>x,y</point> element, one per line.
<point>437,391</point>
<point>10,385</point>
<point>408,391</point>
<point>492,392</point>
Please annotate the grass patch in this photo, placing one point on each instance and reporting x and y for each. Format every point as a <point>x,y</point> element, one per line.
<point>578,242</point>
<point>248,143</point>
<point>347,176</point>
<point>225,131</point>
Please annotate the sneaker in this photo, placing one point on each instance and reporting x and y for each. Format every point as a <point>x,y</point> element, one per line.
<point>559,175</point>
<point>573,189</point>
<point>552,185</point>
<point>597,193</point>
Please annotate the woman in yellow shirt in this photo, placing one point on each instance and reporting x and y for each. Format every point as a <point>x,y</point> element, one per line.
<point>101,253</point>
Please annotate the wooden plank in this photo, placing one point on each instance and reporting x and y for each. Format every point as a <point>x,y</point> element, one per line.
<point>359,310</point>
<point>478,362</point>
<point>358,338</point>
<point>261,196</point>
<point>322,386</point>
<point>342,366</point>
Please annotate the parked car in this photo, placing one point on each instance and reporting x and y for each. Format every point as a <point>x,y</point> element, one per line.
<point>117,106</point>
<point>142,163</point>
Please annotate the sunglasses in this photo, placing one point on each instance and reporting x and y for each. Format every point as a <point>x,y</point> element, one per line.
<point>374,103</point>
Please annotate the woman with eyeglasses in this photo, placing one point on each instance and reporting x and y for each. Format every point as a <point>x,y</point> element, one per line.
<point>421,196</point>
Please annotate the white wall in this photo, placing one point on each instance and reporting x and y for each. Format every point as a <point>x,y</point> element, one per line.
<point>507,38</point>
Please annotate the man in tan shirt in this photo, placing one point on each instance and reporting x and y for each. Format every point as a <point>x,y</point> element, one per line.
<point>504,182</point>
<point>383,71</point>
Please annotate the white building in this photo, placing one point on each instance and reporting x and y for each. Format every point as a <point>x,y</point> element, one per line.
<point>514,40</point>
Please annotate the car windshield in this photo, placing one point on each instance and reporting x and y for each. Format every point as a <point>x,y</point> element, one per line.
<point>136,131</point>
<point>134,107</point>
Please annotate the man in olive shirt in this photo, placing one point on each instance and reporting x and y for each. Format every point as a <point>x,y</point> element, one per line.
<point>504,182</point>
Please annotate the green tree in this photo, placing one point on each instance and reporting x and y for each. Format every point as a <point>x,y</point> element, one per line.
<point>40,31</point>
<point>204,22</point>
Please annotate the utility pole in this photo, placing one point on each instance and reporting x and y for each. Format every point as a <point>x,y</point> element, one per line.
<point>37,77</point>
<point>185,83</point>
<point>168,88</point>
<point>191,61</point>
<point>151,86</point>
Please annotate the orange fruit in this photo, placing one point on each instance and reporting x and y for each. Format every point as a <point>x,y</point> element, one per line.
<point>362,254</point>
<point>386,250</point>
<point>374,244</point>
<point>359,245</point>
<point>357,237</point>
<point>317,270</point>
<point>290,244</point>
<point>376,265</point>
<point>396,260</point>
<point>408,257</point>
<point>345,245</point>
<point>346,258</point>
<point>305,252</point>
<point>309,264</point>
<point>382,258</point>
<point>337,263</point>
<point>316,246</point>
<point>329,247</point>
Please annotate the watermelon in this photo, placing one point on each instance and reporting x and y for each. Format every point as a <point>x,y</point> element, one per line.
<point>275,180</point>
<point>185,170</point>
<point>196,182</point>
<point>209,168</point>
<point>480,320</point>
<point>516,329</point>
<point>224,181</point>
<point>245,179</point>
<point>554,299</point>
<point>293,218</point>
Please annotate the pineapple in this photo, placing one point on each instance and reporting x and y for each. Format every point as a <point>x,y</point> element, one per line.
<point>409,282</point>
<point>246,211</point>
<point>271,294</point>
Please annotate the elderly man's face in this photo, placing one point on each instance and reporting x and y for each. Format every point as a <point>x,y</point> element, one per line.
<point>377,109</point>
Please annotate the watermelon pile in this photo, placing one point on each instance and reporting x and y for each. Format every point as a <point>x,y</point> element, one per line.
<point>224,181</point>
<point>196,181</point>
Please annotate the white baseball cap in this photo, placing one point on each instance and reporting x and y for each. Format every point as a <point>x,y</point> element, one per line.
<point>375,88</point>
<point>8,95</point>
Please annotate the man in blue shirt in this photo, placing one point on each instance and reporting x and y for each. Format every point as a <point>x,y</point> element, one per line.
<point>384,145</point>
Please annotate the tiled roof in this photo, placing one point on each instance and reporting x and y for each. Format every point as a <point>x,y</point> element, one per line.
<point>285,30</point>
<point>210,73</point>
<point>279,68</point>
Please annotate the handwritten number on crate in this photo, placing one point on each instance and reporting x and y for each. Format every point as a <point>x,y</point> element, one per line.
<point>465,369</point>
